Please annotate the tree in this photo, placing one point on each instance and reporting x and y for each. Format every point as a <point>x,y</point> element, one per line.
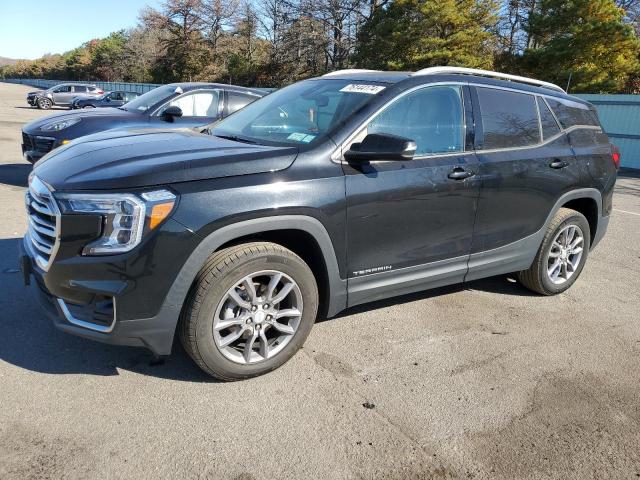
<point>585,40</point>
<point>107,57</point>
<point>185,51</point>
<point>414,34</point>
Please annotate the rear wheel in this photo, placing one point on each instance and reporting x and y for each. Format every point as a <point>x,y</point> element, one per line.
<point>561,256</point>
<point>250,309</point>
<point>44,103</point>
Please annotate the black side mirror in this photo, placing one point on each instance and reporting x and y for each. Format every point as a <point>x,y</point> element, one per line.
<point>381,146</point>
<point>171,113</point>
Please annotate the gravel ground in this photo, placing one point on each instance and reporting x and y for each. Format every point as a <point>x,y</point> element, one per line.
<point>483,380</point>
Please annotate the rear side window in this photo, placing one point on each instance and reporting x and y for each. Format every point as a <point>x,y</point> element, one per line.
<point>236,101</point>
<point>549,125</point>
<point>79,88</point>
<point>571,114</point>
<point>432,117</point>
<point>509,119</point>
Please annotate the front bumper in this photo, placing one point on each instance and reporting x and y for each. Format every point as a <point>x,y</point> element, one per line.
<point>82,307</point>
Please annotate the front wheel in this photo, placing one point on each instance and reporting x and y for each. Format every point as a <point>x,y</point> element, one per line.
<point>44,103</point>
<point>561,256</point>
<point>250,309</point>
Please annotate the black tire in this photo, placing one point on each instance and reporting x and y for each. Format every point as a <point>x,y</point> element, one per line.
<point>44,103</point>
<point>221,272</point>
<point>536,277</point>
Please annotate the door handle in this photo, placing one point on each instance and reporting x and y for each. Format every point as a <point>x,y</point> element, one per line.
<point>559,164</point>
<point>460,173</point>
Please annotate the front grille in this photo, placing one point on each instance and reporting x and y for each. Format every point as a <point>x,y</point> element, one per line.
<point>26,141</point>
<point>43,221</point>
<point>39,144</point>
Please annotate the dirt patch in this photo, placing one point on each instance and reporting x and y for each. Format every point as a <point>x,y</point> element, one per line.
<point>574,424</point>
<point>27,454</point>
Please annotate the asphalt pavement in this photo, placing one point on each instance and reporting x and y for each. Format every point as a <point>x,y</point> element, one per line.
<point>485,380</point>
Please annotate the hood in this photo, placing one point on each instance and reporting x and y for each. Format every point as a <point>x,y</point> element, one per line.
<point>101,113</point>
<point>127,159</point>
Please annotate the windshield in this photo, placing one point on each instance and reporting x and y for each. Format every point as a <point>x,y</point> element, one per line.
<point>149,99</point>
<point>299,114</point>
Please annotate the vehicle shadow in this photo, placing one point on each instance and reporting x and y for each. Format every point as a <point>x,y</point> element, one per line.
<point>29,340</point>
<point>15,174</point>
<point>35,108</point>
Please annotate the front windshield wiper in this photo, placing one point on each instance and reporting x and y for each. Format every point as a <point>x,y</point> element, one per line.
<point>235,138</point>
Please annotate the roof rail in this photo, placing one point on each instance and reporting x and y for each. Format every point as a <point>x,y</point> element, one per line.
<point>488,73</point>
<point>349,70</point>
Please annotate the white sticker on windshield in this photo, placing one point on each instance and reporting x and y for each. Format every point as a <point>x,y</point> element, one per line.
<point>297,137</point>
<point>308,138</point>
<point>362,88</point>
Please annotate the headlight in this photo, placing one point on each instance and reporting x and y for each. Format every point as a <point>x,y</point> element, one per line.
<point>59,125</point>
<point>126,217</point>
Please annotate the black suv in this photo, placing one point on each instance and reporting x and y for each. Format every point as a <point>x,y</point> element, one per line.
<point>332,192</point>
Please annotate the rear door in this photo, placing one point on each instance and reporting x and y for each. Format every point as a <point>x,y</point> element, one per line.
<point>410,223</point>
<point>526,164</point>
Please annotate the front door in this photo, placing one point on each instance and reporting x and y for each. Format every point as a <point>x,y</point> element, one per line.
<point>199,107</point>
<point>410,223</point>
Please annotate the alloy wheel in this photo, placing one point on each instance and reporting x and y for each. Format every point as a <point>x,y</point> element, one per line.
<point>565,254</point>
<point>257,317</point>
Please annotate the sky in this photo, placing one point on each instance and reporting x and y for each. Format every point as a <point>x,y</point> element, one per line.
<point>31,28</point>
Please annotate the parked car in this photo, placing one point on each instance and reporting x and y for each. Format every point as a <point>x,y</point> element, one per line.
<point>332,192</point>
<point>109,99</point>
<point>62,95</point>
<point>178,105</point>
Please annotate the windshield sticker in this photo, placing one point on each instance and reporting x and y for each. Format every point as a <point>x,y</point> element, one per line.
<point>362,88</point>
<point>296,137</point>
<point>178,90</point>
<point>301,137</point>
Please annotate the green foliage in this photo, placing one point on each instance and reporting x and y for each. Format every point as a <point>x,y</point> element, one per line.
<point>414,34</point>
<point>586,39</point>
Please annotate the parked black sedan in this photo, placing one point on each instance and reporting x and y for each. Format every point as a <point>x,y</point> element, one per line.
<point>109,99</point>
<point>178,105</point>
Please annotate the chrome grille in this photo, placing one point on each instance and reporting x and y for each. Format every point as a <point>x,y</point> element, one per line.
<point>43,221</point>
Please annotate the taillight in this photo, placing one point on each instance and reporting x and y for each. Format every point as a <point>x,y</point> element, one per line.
<point>100,91</point>
<point>615,156</point>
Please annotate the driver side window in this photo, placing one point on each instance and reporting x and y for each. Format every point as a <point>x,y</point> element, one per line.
<point>202,103</point>
<point>433,117</point>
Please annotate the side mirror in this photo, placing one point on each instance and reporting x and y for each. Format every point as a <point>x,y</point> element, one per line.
<point>381,146</point>
<point>107,99</point>
<point>171,113</point>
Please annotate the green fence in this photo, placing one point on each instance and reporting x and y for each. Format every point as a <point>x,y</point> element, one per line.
<point>620,118</point>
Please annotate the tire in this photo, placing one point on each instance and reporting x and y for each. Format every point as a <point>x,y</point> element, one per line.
<point>210,297</point>
<point>44,103</point>
<point>553,250</point>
